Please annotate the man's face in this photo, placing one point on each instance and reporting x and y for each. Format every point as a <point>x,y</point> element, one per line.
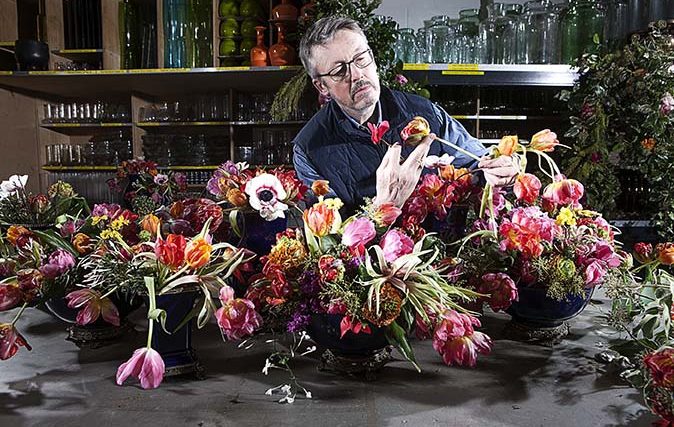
<point>359,90</point>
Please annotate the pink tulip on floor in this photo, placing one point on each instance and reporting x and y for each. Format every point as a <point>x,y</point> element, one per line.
<point>145,364</point>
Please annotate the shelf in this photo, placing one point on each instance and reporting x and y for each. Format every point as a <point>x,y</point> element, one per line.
<point>114,168</point>
<point>83,128</point>
<point>80,55</point>
<point>492,74</point>
<point>182,124</point>
<point>160,83</point>
<point>7,47</point>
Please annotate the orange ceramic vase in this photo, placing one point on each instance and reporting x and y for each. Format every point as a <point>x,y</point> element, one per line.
<point>286,11</point>
<point>281,53</point>
<point>259,56</point>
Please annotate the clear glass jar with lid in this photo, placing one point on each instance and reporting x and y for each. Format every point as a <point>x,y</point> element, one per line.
<point>538,33</point>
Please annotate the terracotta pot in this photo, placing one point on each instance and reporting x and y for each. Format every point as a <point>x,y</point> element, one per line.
<point>259,55</point>
<point>284,11</point>
<point>281,53</point>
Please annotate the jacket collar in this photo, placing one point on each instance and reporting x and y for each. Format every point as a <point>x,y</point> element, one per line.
<point>388,107</point>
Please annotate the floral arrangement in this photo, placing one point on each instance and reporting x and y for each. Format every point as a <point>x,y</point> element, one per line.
<point>372,274</point>
<point>132,256</point>
<point>622,126</point>
<point>538,237</point>
<point>34,266</point>
<point>18,206</point>
<point>270,193</point>
<point>643,311</point>
<point>144,187</point>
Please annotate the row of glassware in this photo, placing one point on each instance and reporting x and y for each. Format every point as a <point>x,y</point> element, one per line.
<point>101,150</point>
<point>268,147</point>
<point>186,149</point>
<point>85,112</point>
<point>538,32</point>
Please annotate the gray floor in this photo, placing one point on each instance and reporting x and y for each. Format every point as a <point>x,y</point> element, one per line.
<point>517,385</point>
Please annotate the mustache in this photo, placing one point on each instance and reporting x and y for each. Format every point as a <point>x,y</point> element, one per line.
<point>358,86</point>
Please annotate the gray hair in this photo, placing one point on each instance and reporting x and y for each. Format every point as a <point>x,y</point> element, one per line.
<point>320,33</point>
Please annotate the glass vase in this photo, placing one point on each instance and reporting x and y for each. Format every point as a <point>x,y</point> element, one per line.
<point>582,28</point>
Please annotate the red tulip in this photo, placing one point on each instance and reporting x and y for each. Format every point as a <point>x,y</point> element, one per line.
<point>10,341</point>
<point>527,188</point>
<point>10,296</point>
<point>171,252</point>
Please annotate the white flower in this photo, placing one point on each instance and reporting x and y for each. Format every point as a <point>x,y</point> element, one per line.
<point>671,69</point>
<point>265,193</point>
<point>433,162</point>
<point>11,185</point>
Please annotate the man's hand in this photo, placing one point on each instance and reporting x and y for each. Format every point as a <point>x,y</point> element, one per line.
<point>500,171</point>
<point>396,182</point>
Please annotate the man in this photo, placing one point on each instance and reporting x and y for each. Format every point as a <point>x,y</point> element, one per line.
<point>336,144</point>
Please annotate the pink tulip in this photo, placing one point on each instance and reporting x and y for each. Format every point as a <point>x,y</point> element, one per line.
<point>564,192</point>
<point>594,273</point>
<point>456,340</point>
<point>237,317</point>
<point>145,364</point>
<point>10,341</point>
<point>358,232</point>
<point>501,289</point>
<point>527,187</point>
<point>395,244</point>
<point>10,296</point>
<point>386,214</point>
<point>92,306</point>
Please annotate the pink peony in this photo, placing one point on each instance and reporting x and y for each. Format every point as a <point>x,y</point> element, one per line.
<point>526,230</point>
<point>92,306</point>
<point>145,364</point>
<point>594,273</point>
<point>395,244</point>
<point>237,317</point>
<point>358,232</point>
<point>10,341</point>
<point>456,340</point>
<point>501,289</point>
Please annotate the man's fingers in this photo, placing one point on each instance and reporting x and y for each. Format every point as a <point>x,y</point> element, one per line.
<point>416,158</point>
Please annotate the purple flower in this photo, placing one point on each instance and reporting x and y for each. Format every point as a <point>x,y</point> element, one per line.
<point>666,104</point>
<point>156,197</point>
<point>111,210</point>
<point>161,179</point>
<point>310,283</point>
<point>59,262</point>
<point>298,322</point>
<point>180,179</point>
<point>401,79</point>
<point>595,157</point>
<point>68,228</point>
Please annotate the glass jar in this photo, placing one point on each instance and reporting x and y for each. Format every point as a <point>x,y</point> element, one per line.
<point>407,46</point>
<point>616,23</point>
<point>422,48</point>
<point>660,10</point>
<point>229,47</point>
<point>487,32</point>
<point>637,11</point>
<point>175,31</point>
<point>538,34</point>
<point>437,40</point>
<point>229,28</point>
<point>582,27</point>
<point>505,51</point>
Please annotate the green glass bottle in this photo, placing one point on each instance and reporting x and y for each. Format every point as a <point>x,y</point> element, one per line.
<point>129,35</point>
<point>582,28</point>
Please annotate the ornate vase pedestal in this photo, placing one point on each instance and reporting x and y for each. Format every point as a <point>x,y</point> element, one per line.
<point>98,334</point>
<point>538,319</point>
<point>359,355</point>
<point>176,348</point>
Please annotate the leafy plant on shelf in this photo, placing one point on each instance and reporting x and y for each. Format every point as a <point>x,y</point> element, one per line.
<point>144,187</point>
<point>621,120</point>
<point>381,33</point>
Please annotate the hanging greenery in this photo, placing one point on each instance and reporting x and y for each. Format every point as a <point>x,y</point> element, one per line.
<point>381,33</point>
<point>622,127</point>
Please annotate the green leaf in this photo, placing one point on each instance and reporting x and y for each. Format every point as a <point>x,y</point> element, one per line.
<point>396,337</point>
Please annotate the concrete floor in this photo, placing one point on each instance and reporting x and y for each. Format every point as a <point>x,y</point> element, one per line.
<point>516,385</point>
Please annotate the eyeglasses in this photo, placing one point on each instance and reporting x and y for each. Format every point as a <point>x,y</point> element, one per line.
<point>339,73</point>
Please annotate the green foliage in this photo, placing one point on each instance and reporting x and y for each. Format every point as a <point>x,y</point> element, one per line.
<point>617,124</point>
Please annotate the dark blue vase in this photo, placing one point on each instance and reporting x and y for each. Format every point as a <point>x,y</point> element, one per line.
<point>176,348</point>
<point>258,234</point>
<point>536,309</point>
<point>325,330</point>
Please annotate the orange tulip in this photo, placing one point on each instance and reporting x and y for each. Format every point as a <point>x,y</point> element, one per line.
<point>386,214</point>
<point>15,232</point>
<point>171,251</point>
<point>82,243</point>
<point>319,219</point>
<point>320,187</point>
<point>415,131</point>
<point>236,197</point>
<point>544,140</point>
<point>150,223</point>
<point>198,253</point>
<point>508,145</point>
<point>527,187</point>
<point>666,253</point>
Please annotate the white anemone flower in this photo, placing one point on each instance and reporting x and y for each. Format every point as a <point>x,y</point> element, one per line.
<point>11,185</point>
<point>265,193</point>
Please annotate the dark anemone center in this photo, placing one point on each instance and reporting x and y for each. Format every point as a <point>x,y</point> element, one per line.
<point>265,195</point>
